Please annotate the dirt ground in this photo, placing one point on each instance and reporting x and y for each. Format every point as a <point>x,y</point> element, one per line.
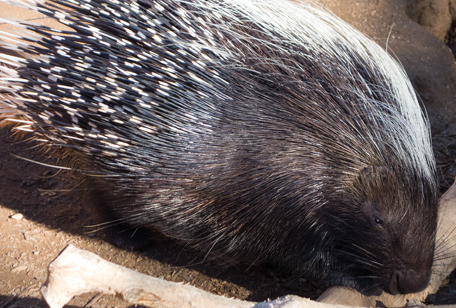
<point>41,212</point>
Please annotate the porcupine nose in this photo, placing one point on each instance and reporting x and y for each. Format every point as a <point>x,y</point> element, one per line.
<point>407,281</point>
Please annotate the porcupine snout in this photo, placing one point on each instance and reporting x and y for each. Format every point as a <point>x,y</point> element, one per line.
<point>407,281</point>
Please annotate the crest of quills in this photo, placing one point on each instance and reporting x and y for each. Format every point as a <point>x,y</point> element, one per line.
<point>254,130</point>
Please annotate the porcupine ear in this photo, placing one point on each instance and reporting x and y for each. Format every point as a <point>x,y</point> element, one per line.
<point>367,179</point>
<point>372,174</point>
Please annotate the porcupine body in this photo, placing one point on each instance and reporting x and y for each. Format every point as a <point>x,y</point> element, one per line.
<point>263,131</point>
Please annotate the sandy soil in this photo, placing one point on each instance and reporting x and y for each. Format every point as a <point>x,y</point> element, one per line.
<point>54,215</point>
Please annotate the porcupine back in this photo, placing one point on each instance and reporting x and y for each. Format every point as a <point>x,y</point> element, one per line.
<point>257,130</point>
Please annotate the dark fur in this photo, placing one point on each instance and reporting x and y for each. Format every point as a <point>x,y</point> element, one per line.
<point>282,161</point>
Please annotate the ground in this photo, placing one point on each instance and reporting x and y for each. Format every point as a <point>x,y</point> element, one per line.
<point>41,212</point>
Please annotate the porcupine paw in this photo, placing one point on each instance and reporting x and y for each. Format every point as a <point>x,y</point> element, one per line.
<point>129,238</point>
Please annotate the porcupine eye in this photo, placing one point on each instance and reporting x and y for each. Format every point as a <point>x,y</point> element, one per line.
<point>378,222</point>
<point>372,215</point>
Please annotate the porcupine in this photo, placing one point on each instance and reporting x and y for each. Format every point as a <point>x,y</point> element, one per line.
<point>264,131</point>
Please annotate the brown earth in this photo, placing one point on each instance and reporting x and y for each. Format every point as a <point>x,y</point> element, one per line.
<point>419,32</point>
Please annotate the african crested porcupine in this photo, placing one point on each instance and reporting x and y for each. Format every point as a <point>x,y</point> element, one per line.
<point>259,130</point>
